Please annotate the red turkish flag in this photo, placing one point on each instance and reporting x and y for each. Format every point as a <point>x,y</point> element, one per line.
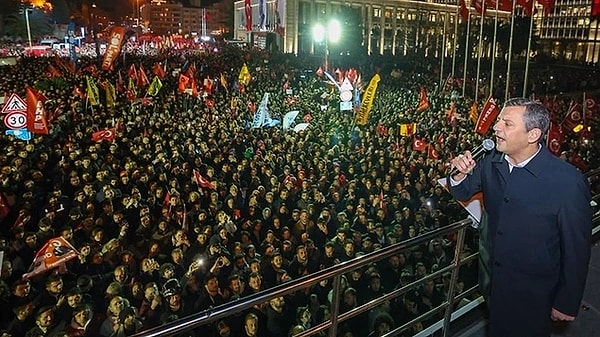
<point>419,144</point>
<point>555,139</point>
<point>574,118</point>
<point>432,153</point>
<point>108,134</point>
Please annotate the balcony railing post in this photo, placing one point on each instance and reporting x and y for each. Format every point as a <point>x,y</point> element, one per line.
<point>460,240</point>
<point>335,305</point>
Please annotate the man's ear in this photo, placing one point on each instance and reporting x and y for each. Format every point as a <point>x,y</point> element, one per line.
<point>534,135</point>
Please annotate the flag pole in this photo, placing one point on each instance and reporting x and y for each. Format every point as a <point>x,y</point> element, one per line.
<point>510,45</point>
<point>466,53</point>
<point>479,48</point>
<point>455,37</point>
<point>525,79</point>
<point>443,53</point>
<point>494,50</point>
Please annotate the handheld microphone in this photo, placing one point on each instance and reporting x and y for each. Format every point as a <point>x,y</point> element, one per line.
<point>478,152</point>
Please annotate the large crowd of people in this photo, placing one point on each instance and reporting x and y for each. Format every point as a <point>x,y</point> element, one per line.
<point>156,242</point>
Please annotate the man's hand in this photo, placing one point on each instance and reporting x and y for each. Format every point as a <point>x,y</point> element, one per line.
<point>463,163</point>
<point>559,316</point>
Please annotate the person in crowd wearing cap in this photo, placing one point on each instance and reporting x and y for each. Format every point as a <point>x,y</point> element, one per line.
<point>539,223</point>
<point>128,324</point>
<point>176,304</point>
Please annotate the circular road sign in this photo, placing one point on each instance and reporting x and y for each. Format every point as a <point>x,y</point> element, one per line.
<point>15,120</point>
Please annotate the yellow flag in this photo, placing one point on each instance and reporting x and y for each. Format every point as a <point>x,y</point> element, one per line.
<point>223,81</point>
<point>367,103</point>
<point>111,95</point>
<point>154,86</point>
<point>474,113</point>
<point>92,91</point>
<point>244,77</point>
<point>408,129</point>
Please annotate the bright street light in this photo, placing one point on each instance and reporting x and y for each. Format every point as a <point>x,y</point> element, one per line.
<point>331,33</point>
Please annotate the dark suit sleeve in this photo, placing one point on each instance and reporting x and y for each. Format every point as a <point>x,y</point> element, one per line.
<point>575,226</point>
<point>467,187</point>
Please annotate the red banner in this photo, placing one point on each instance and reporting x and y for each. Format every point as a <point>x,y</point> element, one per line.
<point>574,118</point>
<point>487,116</point>
<point>142,79</point>
<point>36,113</point>
<point>595,8</point>
<point>527,6</point>
<point>113,49</point>
<point>248,9</point>
<point>53,253</point>
<point>555,139</point>
<point>547,4</point>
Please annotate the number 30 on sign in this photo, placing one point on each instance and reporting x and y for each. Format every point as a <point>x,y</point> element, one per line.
<point>15,120</point>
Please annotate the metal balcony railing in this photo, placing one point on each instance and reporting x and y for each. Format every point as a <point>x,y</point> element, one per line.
<point>443,310</point>
<point>453,307</point>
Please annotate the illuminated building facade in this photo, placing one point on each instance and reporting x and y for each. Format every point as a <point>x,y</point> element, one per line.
<point>399,26</point>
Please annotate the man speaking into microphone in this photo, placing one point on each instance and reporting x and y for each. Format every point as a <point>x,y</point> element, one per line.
<point>539,223</point>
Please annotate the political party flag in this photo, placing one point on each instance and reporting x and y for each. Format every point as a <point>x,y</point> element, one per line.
<point>184,82</point>
<point>113,49</point>
<point>487,117</point>
<point>131,91</point>
<point>244,77</point>
<point>132,72</point>
<point>261,113</point>
<point>111,94</point>
<point>474,113</point>
<point>408,129</point>
<point>289,118</point>
<point>158,70</point>
<point>224,82</point>
<point>55,252</point>
<point>36,113</point>
<point>367,101</point>
<point>423,100</point>
<point>142,79</point>
<point>92,91</point>
<point>154,86</point>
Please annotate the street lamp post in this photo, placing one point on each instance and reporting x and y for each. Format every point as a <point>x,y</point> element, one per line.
<point>328,34</point>
<point>28,27</point>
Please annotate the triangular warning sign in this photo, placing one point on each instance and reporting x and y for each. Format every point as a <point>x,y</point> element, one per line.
<point>14,104</point>
<point>346,86</point>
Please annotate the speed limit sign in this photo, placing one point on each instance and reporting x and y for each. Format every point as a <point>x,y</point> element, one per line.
<point>15,120</point>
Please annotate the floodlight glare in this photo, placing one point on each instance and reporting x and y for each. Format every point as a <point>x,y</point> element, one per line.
<point>334,31</point>
<point>319,32</point>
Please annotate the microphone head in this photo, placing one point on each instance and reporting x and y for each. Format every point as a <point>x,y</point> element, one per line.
<point>488,144</point>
